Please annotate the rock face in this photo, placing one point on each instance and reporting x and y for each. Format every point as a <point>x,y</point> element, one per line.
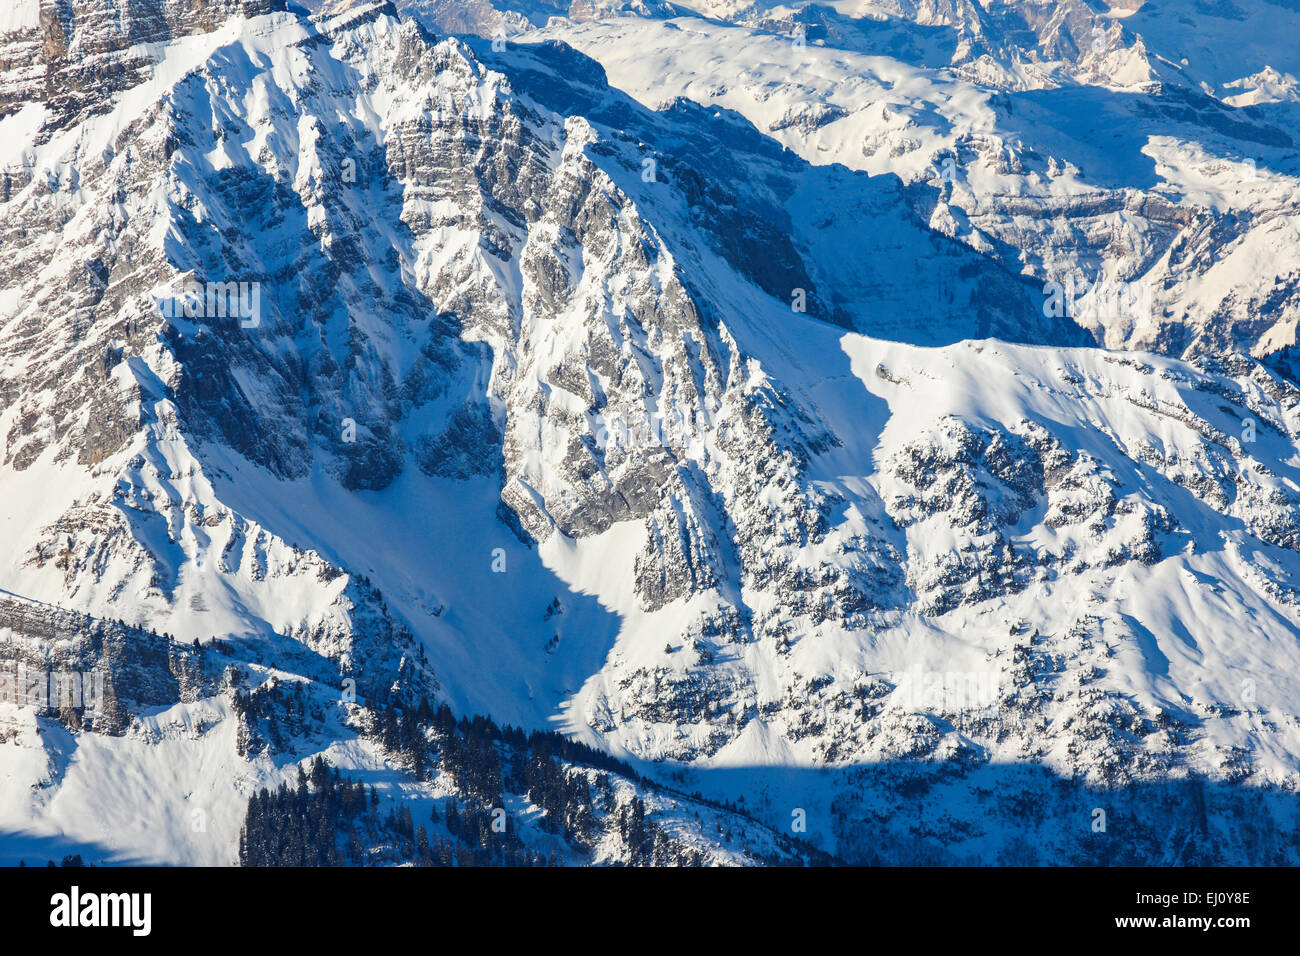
<point>101,670</point>
<point>67,54</point>
<point>362,355</point>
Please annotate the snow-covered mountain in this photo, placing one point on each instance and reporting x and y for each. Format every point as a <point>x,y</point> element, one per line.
<point>723,389</point>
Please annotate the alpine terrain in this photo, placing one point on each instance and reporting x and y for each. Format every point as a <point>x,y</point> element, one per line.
<point>722,432</point>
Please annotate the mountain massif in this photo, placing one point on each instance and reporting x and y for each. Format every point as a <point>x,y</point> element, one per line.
<point>651,434</point>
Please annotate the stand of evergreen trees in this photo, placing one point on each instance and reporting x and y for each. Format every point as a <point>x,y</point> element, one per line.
<point>328,821</point>
<point>272,712</point>
<point>302,826</point>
